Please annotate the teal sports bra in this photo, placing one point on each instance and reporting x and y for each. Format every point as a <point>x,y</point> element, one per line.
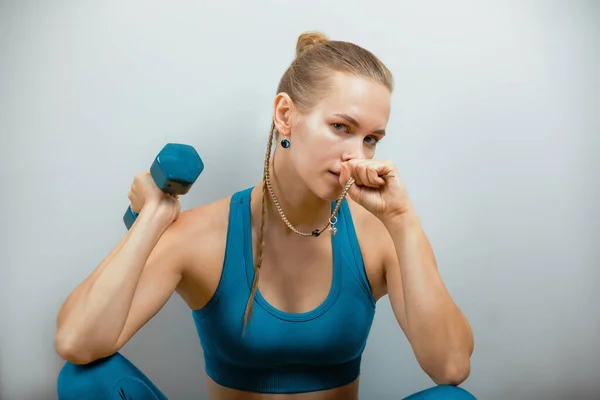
<point>285,352</point>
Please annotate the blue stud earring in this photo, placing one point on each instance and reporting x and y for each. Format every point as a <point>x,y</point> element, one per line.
<point>285,143</point>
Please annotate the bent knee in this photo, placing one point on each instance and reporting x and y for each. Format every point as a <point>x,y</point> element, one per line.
<point>446,392</point>
<point>87,381</point>
<point>113,377</point>
<point>74,382</point>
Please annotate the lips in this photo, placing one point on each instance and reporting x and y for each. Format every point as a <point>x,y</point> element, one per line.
<point>334,176</point>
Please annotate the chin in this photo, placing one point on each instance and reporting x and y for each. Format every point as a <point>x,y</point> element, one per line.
<point>325,187</point>
<point>329,192</point>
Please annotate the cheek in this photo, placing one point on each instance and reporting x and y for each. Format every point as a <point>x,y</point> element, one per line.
<point>317,145</point>
<point>311,158</point>
<point>369,152</point>
<point>328,142</point>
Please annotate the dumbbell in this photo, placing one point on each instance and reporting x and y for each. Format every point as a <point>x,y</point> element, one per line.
<point>174,170</point>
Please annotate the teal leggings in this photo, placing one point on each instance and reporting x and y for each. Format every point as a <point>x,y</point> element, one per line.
<point>116,378</point>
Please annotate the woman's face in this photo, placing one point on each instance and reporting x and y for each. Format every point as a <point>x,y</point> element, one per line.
<point>345,124</point>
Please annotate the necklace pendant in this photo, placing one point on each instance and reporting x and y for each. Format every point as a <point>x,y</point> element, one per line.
<point>332,228</point>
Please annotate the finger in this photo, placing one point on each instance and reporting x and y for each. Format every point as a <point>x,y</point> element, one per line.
<point>354,192</point>
<point>348,172</point>
<point>358,177</point>
<point>373,176</point>
<point>360,171</point>
<point>387,170</point>
<point>344,175</point>
<point>367,170</point>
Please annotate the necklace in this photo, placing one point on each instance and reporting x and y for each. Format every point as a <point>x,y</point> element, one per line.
<point>316,232</point>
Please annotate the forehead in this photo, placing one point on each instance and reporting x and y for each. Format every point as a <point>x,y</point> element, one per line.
<point>362,98</point>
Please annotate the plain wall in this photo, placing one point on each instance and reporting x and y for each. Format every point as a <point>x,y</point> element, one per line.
<point>494,128</point>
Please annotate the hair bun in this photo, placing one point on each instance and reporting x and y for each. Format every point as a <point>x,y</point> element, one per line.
<point>308,40</point>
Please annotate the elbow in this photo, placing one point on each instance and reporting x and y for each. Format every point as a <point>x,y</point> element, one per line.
<point>68,352</point>
<point>454,372</point>
<point>73,350</point>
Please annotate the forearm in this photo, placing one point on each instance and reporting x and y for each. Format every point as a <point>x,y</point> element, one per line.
<point>438,331</point>
<point>93,316</point>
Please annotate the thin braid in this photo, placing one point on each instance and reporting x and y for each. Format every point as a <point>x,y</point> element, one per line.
<point>261,237</point>
<point>306,80</point>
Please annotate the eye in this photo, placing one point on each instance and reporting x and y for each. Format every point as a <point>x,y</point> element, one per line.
<point>373,140</point>
<point>339,127</point>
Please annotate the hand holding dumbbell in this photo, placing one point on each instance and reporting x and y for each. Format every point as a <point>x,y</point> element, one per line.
<point>173,172</point>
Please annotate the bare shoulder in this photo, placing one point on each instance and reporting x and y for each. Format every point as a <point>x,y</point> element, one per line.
<point>374,241</point>
<point>202,232</point>
<point>203,222</point>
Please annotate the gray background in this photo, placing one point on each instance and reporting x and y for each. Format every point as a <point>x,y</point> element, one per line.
<point>494,128</point>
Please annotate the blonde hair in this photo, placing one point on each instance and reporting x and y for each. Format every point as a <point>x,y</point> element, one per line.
<point>306,80</point>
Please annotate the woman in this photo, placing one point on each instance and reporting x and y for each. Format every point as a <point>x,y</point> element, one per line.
<point>282,278</point>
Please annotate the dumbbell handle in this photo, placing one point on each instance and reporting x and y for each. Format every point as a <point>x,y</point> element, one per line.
<point>129,217</point>
<point>174,171</point>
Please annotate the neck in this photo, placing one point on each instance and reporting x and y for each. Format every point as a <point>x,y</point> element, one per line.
<point>303,209</point>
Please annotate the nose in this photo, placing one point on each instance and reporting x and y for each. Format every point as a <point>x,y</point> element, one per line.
<point>355,149</point>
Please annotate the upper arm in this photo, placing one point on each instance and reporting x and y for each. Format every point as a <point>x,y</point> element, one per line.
<point>159,279</point>
<point>381,260</point>
<point>393,280</point>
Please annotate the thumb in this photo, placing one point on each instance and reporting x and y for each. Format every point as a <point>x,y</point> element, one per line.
<point>345,174</point>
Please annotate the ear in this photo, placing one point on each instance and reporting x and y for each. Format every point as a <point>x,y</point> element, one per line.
<point>282,113</point>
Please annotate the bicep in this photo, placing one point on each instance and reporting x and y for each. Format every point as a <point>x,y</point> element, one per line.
<point>158,281</point>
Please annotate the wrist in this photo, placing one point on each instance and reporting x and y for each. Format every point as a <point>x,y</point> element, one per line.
<point>157,213</point>
<point>405,221</point>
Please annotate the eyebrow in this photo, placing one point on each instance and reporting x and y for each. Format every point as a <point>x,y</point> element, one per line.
<point>355,123</point>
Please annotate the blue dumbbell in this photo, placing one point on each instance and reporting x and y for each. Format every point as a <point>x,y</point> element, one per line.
<point>174,170</point>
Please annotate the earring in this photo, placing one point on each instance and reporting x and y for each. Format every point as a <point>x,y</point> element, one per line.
<point>285,143</point>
